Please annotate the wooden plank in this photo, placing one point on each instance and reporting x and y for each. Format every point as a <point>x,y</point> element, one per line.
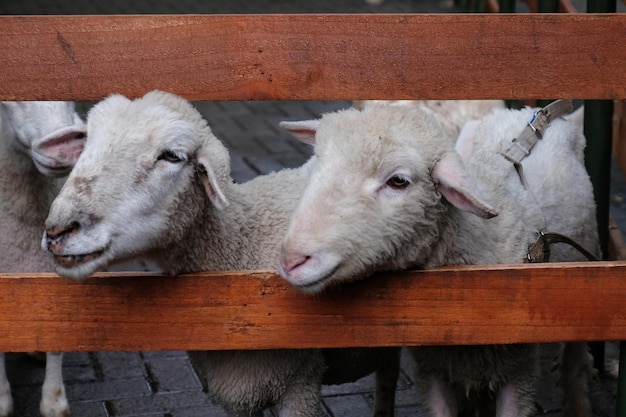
<point>315,57</point>
<point>243,310</point>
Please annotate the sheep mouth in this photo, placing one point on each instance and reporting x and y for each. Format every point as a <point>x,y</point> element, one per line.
<point>70,261</point>
<point>320,283</point>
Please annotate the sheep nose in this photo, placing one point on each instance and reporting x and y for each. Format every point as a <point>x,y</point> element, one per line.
<point>56,235</point>
<point>290,262</point>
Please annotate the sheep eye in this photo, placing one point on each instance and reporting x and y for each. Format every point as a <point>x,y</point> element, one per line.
<point>169,156</point>
<point>398,182</point>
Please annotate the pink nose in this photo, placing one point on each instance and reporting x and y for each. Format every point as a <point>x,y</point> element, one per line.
<point>289,262</point>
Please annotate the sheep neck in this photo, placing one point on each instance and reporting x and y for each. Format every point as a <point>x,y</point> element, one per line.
<point>466,239</point>
<point>224,239</point>
<point>25,199</point>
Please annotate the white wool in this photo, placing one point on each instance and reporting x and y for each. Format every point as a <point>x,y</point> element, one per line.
<point>451,114</point>
<point>171,198</point>
<point>30,162</point>
<point>388,191</point>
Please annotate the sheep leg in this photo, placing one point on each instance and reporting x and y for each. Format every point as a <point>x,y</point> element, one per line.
<point>6,400</point>
<point>386,382</point>
<point>577,371</point>
<point>514,402</point>
<point>440,398</point>
<point>53,400</point>
<point>301,401</point>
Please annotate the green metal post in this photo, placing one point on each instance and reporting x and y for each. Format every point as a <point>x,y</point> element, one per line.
<point>548,6</point>
<point>507,6</point>
<point>621,382</point>
<point>601,6</point>
<point>479,6</point>
<point>598,130</point>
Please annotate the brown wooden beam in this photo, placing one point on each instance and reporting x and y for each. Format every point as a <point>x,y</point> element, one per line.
<point>244,310</point>
<point>315,57</point>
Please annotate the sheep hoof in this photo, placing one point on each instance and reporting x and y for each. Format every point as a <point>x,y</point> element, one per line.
<point>6,405</point>
<point>55,405</point>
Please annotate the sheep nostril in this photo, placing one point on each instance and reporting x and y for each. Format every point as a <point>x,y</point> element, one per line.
<point>58,233</point>
<point>290,263</point>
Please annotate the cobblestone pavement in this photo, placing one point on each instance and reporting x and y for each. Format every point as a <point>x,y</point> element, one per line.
<point>163,384</point>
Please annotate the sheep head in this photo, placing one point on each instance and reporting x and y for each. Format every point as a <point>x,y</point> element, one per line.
<point>140,183</point>
<point>376,197</point>
<point>49,132</point>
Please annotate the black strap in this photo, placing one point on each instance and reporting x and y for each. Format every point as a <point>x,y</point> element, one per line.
<point>540,250</point>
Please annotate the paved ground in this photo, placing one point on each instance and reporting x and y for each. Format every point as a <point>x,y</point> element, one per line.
<point>162,384</point>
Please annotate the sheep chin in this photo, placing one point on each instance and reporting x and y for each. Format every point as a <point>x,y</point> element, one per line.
<point>81,266</point>
<point>317,285</point>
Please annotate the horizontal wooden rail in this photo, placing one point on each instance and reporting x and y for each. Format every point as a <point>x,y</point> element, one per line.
<point>315,57</point>
<point>258,310</point>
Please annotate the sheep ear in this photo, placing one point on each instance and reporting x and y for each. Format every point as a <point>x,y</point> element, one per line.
<point>56,153</point>
<point>467,136</point>
<point>211,183</point>
<point>451,179</point>
<point>304,130</point>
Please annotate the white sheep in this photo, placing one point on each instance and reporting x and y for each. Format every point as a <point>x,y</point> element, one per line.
<point>171,198</point>
<point>452,115</point>
<point>31,159</point>
<point>388,191</point>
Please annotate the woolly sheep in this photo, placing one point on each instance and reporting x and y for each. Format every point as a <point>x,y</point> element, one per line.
<point>452,115</point>
<point>172,178</point>
<point>388,191</point>
<point>31,159</point>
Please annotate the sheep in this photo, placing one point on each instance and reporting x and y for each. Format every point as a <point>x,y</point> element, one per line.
<point>387,191</point>
<point>172,178</point>
<point>31,162</point>
<point>451,114</point>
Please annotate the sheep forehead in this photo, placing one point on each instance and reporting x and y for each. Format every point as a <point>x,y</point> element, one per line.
<point>377,138</point>
<point>126,129</point>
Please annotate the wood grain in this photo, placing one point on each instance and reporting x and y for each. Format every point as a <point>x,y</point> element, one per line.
<point>258,310</point>
<point>315,57</point>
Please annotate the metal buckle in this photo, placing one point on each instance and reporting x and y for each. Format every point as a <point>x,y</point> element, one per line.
<point>537,130</point>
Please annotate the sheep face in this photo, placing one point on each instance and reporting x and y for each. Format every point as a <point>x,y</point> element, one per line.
<point>136,187</point>
<point>49,132</point>
<point>374,199</point>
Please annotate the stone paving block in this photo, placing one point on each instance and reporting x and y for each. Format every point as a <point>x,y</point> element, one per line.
<point>77,359</point>
<point>273,143</point>
<point>157,403</point>
<point>241,171</point>
<point>88,409</point>
<point>109,389</point>
<point>292,159</point>
<point>307,110</point>
<point>262,165</point>
<point>348,405</point>
<point>360,386</point>
<point>163,354</point>
<point>209,411</point>
<point>408,412</point>
<point>75,374</point>
<point>120,364</point>
<point>172,375</point>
